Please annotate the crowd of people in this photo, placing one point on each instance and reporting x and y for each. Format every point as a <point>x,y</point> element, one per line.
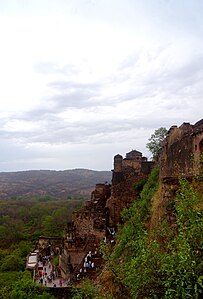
<point>47,276</point>
<point>88,262</point>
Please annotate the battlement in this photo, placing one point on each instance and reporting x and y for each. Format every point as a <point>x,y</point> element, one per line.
<point>182,151</point>
<point>134,163</point>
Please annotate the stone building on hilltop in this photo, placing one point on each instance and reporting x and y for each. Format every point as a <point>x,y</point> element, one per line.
<point>96,222</point>
<point>126,173</point>
<point>101,213</point>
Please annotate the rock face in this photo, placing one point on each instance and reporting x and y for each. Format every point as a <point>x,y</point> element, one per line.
<point>85,232</point>
<point>91,219</point>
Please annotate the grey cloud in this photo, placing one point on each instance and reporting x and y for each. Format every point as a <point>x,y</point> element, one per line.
<point>169,88</point>
<point>77,99</point>
<point>53,68</point>
<point>160,87</point>
<point>55,131</point>
<point>82,132</point>
<point>129,62</point>
<point>74,133</point>
<point>71,95</point>
<point>82,96</point>
<point>74,95</point>
<point>66,85</point>
<point>12,149</point>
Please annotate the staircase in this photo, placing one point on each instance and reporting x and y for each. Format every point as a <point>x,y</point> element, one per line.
<point>91,273</point>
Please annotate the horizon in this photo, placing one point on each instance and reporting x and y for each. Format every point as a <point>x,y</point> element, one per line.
<point>83,80</point>
<point>56,170</point>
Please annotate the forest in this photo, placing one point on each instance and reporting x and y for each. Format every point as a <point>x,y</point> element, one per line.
<point>22,221</point>
<point>148,261</point>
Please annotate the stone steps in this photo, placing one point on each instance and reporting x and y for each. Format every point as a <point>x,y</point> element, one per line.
<point>90,273</point>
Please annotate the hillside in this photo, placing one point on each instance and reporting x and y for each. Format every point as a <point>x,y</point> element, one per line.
<point>51,183</point>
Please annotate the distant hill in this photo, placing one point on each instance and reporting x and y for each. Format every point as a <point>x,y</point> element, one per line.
<point>51,183</point>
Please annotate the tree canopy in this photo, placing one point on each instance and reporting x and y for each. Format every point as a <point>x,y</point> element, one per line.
<point>155,142</point>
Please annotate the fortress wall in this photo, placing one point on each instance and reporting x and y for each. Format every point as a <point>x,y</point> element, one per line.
<point>181,152</point>
<point>180,158</point>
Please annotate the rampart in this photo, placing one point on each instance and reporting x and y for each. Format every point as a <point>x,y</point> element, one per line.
<point>182,152</point>
<point>181,157</point>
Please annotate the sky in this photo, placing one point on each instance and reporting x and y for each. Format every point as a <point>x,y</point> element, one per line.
<point>84,80</point>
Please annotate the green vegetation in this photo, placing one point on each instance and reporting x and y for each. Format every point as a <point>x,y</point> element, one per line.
<point>87,291</point>
<point>165,262</point>
<point>153,257</point>
<point>19,285</point>
<point>161,262</point>
<point>24,288</point>
<point>155,142</point>
<point>21,219</point>
<point>21,223</point>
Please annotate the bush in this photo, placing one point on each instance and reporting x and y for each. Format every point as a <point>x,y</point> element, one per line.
<point>12,263</point>
<point>148,268</point>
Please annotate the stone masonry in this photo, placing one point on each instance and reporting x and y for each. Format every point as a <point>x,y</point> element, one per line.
<point>85,232</point>
<point>181,157</point>
<point>126,173</point>
<point>101,213</point>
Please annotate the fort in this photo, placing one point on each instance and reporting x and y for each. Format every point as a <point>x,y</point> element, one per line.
<point>126,173</point>
<point>182,150</point>
<point>97,220</point>
<point>101,214</point>
<point>181,157</point>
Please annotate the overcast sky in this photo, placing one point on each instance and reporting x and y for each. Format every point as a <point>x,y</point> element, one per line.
<point>84,80</point>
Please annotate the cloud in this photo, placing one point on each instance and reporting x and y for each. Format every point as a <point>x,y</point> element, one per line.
<point>46,67</point>
<point>92,80</point>
<point>77,112</point>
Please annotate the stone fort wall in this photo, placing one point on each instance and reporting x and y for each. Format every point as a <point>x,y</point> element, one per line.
<point>182,151</point>
<point>126,173</point>
<point>181,157</point>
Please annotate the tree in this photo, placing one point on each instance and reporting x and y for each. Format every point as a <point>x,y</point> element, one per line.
<point>12,262</point>
<point>25,288</point>
<point>155,142</point>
